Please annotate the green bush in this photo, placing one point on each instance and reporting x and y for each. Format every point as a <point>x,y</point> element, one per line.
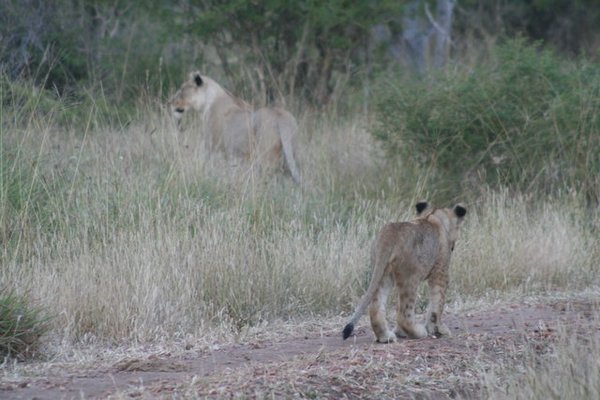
<point>21,325</point>
<point>527,120</point>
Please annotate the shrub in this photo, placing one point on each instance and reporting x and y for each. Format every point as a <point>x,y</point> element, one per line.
<point>527,120</point>
<point>21,325</point>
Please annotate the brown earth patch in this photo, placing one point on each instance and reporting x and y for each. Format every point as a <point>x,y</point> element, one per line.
<point>322,365</point>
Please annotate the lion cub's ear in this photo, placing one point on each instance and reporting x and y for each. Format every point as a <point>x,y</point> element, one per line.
<point>421,206</point>
<point>460,210</point>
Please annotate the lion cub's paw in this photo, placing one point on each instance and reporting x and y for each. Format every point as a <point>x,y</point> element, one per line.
<point>413,331</point>
<point>400,334</point>
<point>389,337</point>
<point>419,331</point>
<point>438,330</point>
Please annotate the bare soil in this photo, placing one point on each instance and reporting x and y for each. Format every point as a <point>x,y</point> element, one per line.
<point>322,365</point>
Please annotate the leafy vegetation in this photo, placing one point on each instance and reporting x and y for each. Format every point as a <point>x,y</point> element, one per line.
<point>299,57</point>
<point>526,119</point>
<point>275,50</point>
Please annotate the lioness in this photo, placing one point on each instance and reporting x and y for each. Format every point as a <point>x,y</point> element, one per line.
<point>406,253</point>
<point>234,127</point>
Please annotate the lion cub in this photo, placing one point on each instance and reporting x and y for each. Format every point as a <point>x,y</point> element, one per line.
<point>406,253</point>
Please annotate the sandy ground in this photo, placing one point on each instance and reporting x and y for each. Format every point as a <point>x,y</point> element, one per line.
<point>320,364</point>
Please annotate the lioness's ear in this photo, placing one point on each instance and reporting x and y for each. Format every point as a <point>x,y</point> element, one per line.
<point>198,79</point>
<point>421,206</point>
<point>460,211</point>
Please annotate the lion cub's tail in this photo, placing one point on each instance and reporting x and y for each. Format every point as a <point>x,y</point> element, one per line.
<point>378,271</point>
<point>348,329</point>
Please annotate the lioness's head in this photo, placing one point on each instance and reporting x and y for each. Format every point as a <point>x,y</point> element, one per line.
<point>195,93</point>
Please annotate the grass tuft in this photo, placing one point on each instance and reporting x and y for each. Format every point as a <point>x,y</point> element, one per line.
<point>21,325</point>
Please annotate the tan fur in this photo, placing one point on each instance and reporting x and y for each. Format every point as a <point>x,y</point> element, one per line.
<point>265,136</point>
<point>404,254</point>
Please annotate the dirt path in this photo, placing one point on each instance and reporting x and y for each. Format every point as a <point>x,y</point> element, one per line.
<point>324,365</point>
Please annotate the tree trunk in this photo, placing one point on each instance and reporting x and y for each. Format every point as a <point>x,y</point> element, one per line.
<point>416,35</point>
<point>442,28</point>
<point>426,38</point>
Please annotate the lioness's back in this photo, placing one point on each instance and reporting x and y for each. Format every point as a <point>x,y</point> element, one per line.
<point>264,137</point>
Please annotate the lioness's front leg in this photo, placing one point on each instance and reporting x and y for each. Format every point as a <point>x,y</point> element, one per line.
<point>438,283</point>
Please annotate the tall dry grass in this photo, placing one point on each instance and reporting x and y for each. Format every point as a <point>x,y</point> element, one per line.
<point>567,369</point>
<point>514,244</point>
<point>134,232</point>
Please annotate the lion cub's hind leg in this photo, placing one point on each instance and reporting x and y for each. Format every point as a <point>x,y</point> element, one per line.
<point>377,312</point>
<point>437,296</point>
<point>407,326</point>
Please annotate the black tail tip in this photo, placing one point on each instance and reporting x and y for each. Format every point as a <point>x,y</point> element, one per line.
<point>348,330</point>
